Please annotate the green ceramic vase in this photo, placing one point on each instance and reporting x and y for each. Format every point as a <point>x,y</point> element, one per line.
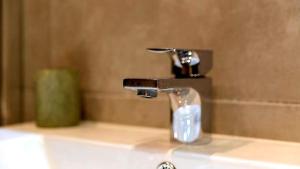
<point>57,98</point>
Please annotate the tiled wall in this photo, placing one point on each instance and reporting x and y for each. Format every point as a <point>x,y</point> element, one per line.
<point>256,57</point>
<point>10,61</point>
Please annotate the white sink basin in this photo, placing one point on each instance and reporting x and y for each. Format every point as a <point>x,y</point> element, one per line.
<point>78,148</point>
<point>38,152</point>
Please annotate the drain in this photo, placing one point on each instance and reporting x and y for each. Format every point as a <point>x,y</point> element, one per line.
<point>166,165</point>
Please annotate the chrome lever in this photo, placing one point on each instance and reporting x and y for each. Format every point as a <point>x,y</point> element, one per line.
<point>187,63</point>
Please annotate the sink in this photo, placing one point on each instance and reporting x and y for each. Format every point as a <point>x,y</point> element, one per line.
<point>28,147</point>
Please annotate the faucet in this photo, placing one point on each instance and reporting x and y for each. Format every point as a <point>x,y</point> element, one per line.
<point>189,92</point>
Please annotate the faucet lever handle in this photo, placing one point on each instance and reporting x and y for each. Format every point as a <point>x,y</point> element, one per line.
<point>161,50</point>
<point>187,63</point>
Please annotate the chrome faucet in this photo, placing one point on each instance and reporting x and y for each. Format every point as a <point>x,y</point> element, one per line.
<point>189,92</point>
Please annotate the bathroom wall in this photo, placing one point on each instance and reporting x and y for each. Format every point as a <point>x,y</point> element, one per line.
<point>256,57</point>
<point>10,61</point>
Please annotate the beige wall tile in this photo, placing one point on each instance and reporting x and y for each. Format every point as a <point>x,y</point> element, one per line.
<point>256,53</point>
<point>256,119</point>
<point>105,42</point>
<point>29,104</point>
<point>10,62</point>
<point>252,41</point>
<point>37,46</point>
<point>127,110</point>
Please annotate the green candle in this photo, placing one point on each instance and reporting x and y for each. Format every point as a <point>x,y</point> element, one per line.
<point>58,100</point>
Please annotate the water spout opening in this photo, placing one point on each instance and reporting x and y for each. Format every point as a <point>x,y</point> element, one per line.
<point>147,93</point>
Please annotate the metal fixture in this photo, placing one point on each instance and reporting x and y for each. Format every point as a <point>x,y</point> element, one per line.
<point>166,165</point>
<point>189,92</point>
<point>188,63</point>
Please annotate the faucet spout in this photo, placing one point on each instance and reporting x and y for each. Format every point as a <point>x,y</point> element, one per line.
<point>189,103</point>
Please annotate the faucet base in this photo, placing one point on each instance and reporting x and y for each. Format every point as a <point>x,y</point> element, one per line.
<point>203,140</point>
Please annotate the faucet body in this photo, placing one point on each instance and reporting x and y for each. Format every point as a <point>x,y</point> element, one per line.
<point>189,93</point>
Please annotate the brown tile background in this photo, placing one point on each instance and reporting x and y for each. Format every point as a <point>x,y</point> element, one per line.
<point>256,57</point>
<point>10,61</point>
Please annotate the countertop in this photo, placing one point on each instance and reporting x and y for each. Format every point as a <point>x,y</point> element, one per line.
<point>157,140</point>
